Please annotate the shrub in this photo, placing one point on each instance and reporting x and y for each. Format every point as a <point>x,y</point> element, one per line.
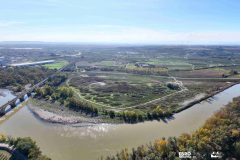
<point>172,86</point>
<point>112,114</point>
<point>24,145</point>
<point>19,88</point>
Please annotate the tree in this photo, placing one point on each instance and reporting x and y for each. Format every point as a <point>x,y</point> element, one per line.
<point>172,86</point>
<point>112,114</point>
<point>11,69</point>
<point>53,96</point>
<point>71,91</point>
<point>24,145</point>
<point>19,88</point>
<point>32,82</point>
<point>3,138</point>
<point>48,90</point>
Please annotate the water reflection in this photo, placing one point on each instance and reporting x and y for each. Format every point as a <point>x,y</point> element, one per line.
<point>69,131</point>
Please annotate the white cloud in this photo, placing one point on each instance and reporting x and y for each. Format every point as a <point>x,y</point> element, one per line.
<point>5,24</point>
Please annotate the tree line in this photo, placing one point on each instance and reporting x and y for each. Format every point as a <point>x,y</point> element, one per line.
<point>132,116</point>
<point>145,71</point>
<point>220,133</point>
<point>26,146</point>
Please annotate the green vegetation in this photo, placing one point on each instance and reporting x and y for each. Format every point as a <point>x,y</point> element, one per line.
<point>119,92</point>
<point>57,65</point>
<point>4,155</point>
<point>26,146</point>
<point>22,75</point>
<point>107,63</point>
<point>131,65</point>
<point>219,133</point>
<point>19,88</point>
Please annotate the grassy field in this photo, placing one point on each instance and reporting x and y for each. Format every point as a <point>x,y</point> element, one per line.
<point>131,65</point>
<point>107,63</point>
<point>56,65</point>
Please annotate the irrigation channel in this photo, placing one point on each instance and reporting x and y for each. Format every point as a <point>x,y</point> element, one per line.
<point>87,142</point>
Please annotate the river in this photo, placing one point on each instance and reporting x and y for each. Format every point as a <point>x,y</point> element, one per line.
<point>66,142</point>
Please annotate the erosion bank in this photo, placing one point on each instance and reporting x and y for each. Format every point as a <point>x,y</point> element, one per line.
<point>60,114</point>
<point>208,94</point>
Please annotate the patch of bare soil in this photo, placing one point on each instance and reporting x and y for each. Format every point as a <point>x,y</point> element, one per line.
<point>152,80</point>
<point>57,113</point>
<point>196,98</point>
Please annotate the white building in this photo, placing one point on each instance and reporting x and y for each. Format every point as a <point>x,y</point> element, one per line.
<point>31,63</point>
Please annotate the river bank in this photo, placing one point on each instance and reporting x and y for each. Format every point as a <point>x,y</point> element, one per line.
<point>61,114</point>
<point>201,97</point>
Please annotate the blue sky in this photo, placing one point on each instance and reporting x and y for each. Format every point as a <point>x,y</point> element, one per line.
<point>121,21</point>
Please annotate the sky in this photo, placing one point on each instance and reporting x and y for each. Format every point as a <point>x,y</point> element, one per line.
<point>121,21</point>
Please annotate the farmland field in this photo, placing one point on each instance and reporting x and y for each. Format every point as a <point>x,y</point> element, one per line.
<point>56,65</point>
<point>107,63</point>
<point>4,155</point>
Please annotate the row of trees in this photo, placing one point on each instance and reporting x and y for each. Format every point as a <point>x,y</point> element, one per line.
<point>26,146</point>
<point>60,93</point>
<point>145,71</point>
<point>132,116</point>
<point>220,133</point>
<point>22,75</point>
<point>80,105</point>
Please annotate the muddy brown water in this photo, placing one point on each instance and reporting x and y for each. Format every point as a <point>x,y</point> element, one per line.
<point>74,142</point>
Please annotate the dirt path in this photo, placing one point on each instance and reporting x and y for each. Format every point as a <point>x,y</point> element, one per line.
<point>152,80</point>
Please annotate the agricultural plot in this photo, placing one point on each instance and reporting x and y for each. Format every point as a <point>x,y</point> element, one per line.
<point>119,91</point>
<point>86,64</point>
<point>4,155</point>
<point>171,64</point>
<point>203,73</point>
<point>107,63</point>
<point>131,65</point>
<point>56,65</point>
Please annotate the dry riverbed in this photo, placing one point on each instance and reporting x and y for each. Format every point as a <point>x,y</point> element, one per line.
<point>57,113</point>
